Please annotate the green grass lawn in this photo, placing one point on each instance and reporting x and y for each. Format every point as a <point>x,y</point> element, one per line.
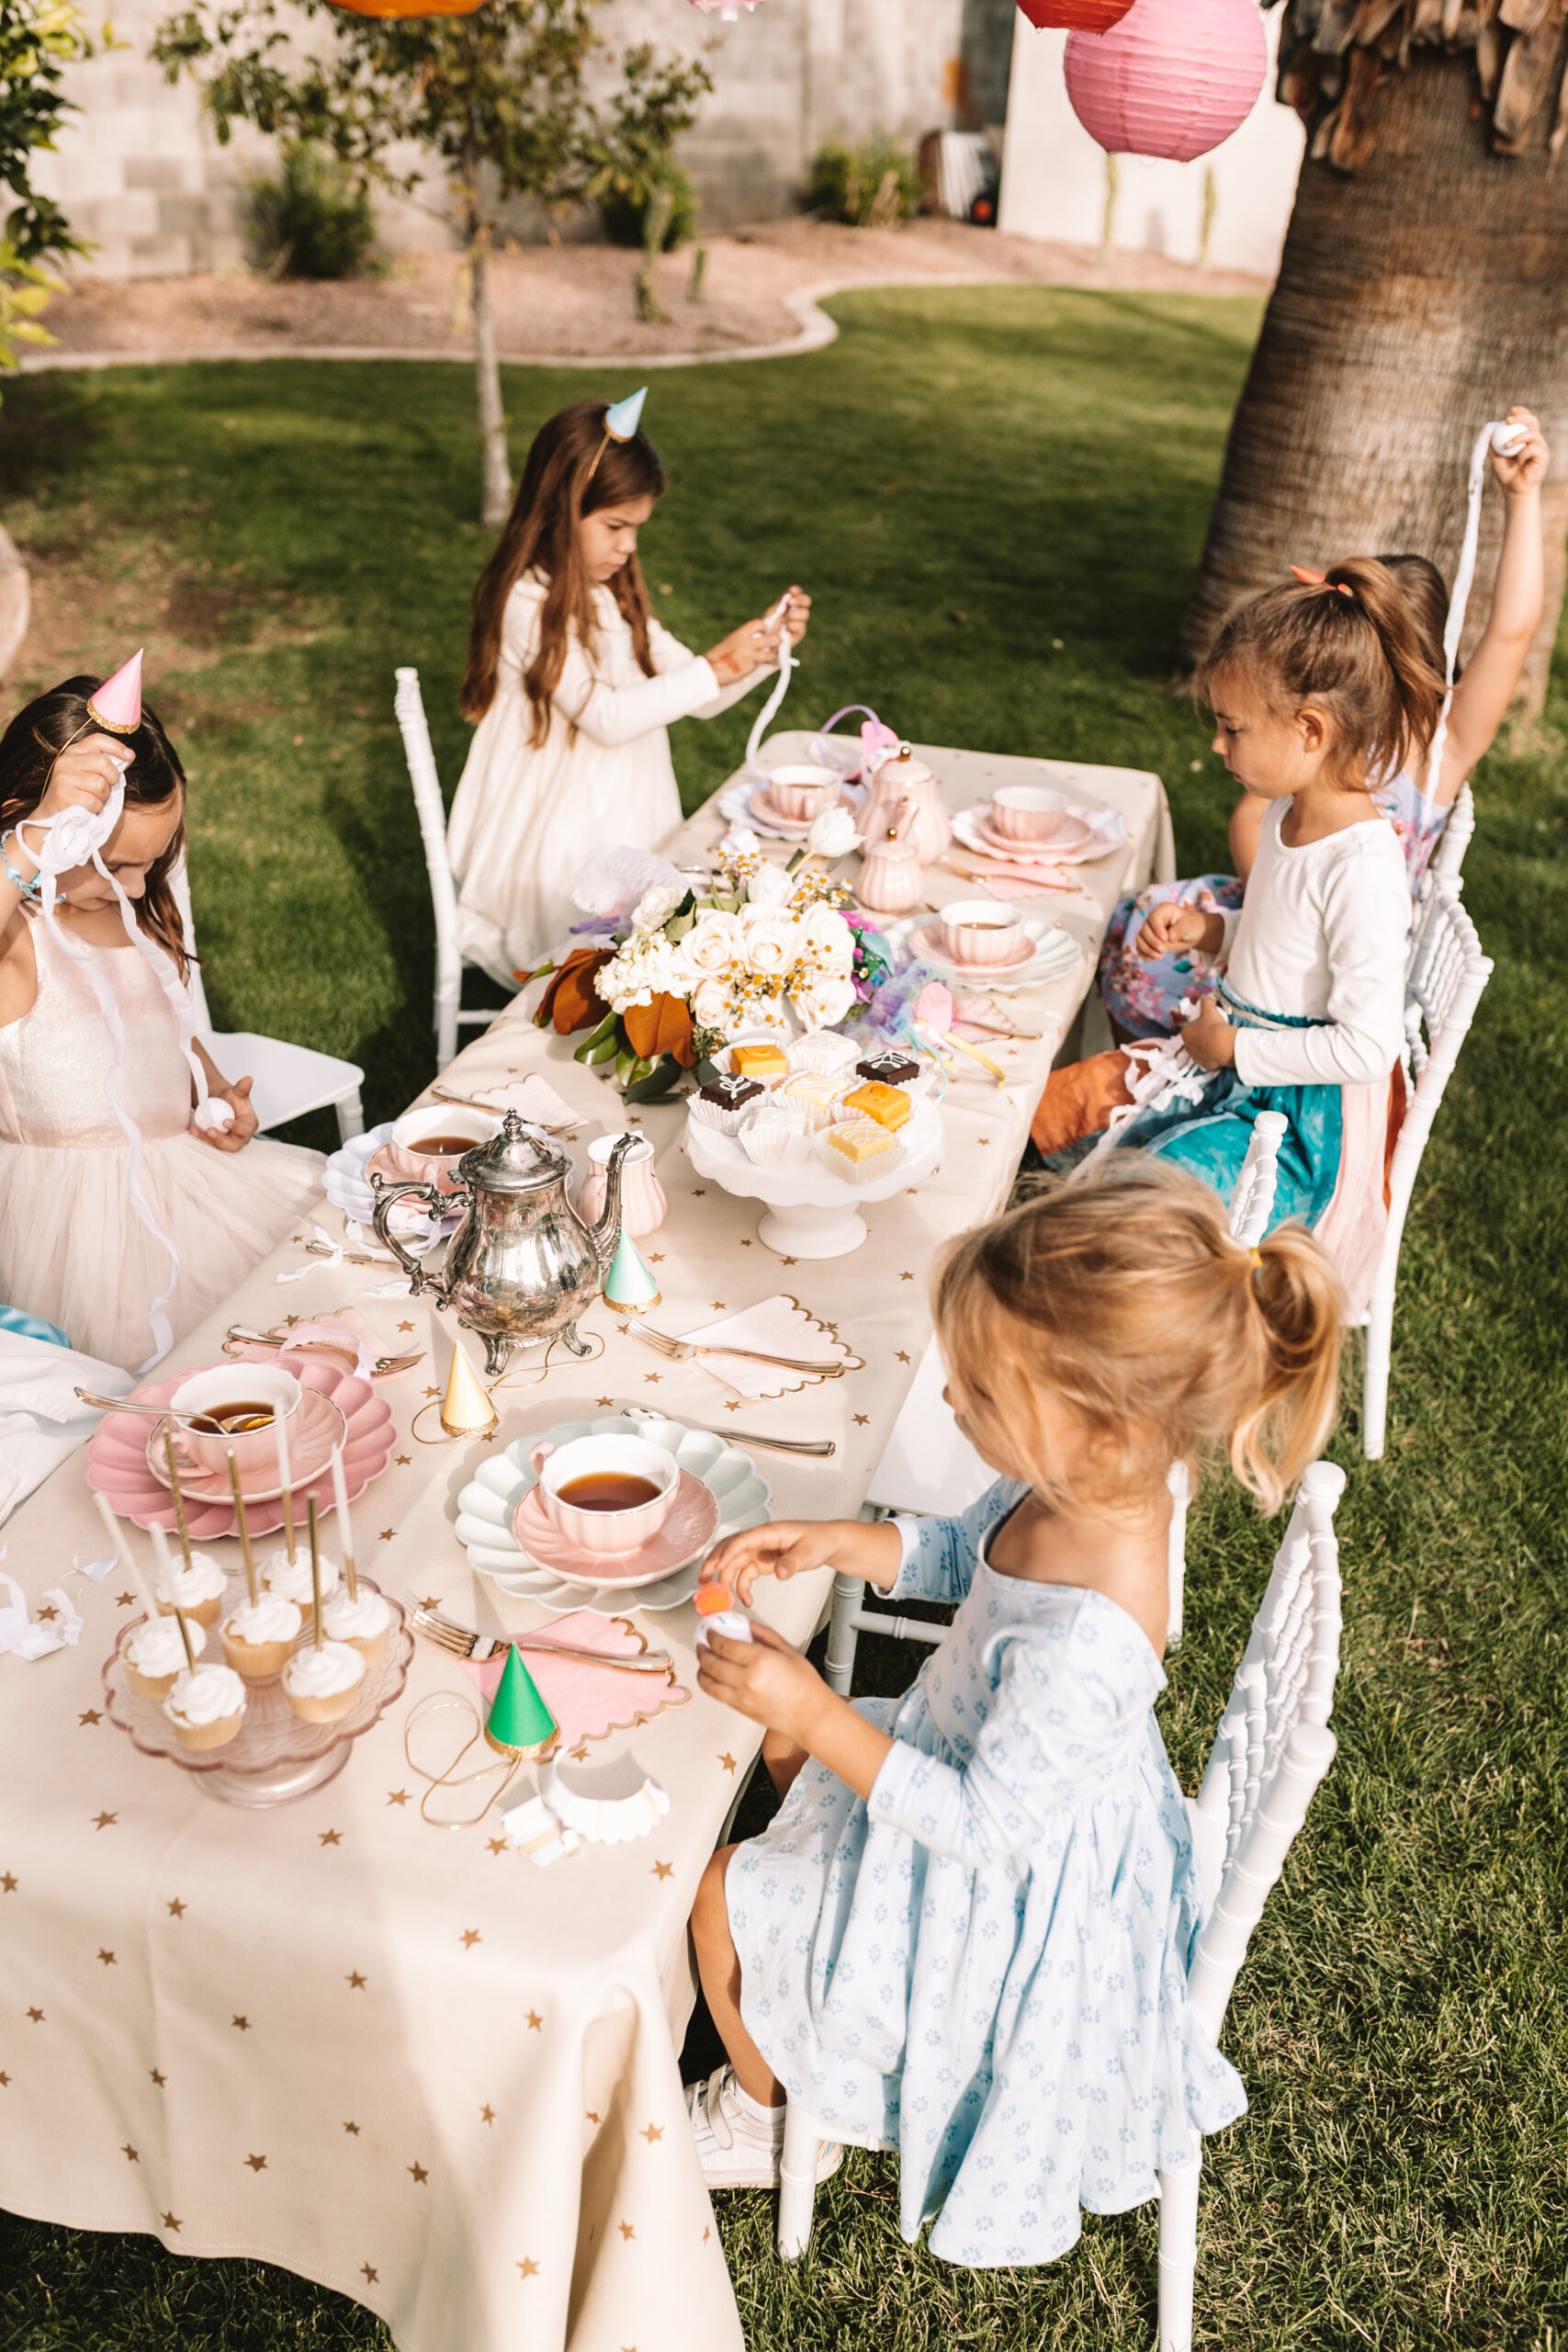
<point>997,498</point>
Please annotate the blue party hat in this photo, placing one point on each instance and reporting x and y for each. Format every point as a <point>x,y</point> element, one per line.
<point>622,418</point>
<point>629,1282</point>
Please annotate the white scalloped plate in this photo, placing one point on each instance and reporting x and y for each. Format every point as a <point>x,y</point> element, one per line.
<point>486,1505</point>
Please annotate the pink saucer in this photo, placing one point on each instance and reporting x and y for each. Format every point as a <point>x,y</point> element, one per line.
<point>928,943</point>
<point>689,1528</point>
<point>1069,838</point>
<point>763,804</point>
<point>117,1454</point>
<point>315,1431</point>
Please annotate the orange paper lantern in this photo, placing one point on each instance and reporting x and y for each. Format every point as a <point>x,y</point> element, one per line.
<point>1074,15</point>
<point>393,8</point>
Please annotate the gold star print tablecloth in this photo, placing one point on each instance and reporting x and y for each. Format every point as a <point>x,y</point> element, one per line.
<point>407,2063</point>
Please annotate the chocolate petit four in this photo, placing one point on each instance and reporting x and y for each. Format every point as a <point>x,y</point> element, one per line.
<point>729,1093</point>
<point>889,1068</point>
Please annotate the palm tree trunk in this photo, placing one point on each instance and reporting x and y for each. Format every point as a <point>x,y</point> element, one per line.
<point>495,498</point>
<point>1416,298</point>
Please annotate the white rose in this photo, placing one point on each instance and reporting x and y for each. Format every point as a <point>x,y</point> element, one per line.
<point>832,941</point>
<point>833,833</point>
<point>823,1001</point>
<point>773,943</point>
<point>710,1006</point>
<point>656,906</point>
<point>713,942</point>
<point>769,887</point>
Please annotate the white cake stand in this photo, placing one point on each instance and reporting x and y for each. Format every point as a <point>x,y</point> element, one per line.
<point>810,1212</point>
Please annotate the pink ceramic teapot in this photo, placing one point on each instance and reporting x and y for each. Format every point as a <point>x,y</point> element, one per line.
<point>903,780</point>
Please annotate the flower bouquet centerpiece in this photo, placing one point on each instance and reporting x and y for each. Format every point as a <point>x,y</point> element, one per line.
<point>672,970</point>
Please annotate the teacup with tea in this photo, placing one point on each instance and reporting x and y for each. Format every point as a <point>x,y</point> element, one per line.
<point>980,932</point>
<point>426,1145</point>
<point>235,1405</point>
<point>608,1494</point>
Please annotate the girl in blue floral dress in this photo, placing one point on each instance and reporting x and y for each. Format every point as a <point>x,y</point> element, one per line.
<point>966,1934</point>
<point>1143,994</point>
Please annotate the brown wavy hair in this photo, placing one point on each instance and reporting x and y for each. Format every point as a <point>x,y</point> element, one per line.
<point>31,744</point>
<point>1125,1296</point>
<point>1352,645</point>
<point>555,493</point>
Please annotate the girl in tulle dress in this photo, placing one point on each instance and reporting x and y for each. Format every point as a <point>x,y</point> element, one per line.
<point>120,1219</point>
<point>1144,992</point>
<point>574,684</point>
<point>967,1935</point>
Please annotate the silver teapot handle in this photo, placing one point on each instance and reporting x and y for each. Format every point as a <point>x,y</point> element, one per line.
<point>387,1195</point>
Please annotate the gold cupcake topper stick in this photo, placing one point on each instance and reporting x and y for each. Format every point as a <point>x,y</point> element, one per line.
<point>185,1636</point>
<point>242,1528</point>
<point>175,1490</point>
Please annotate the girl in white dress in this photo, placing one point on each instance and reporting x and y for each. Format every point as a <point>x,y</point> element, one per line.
<point>967,1935</point>
<point>124,1238</point>
<point>574,684</point>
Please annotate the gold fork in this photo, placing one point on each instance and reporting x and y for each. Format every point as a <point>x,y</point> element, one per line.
<point>684,1351</point>
<point>461,1643</point>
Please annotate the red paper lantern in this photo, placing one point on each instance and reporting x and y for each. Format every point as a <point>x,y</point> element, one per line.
<point>393,8</point>
<point>729,9</point>
<point>1077,16</point>
<point>1173,78</point>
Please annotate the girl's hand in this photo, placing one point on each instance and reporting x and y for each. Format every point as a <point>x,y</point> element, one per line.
<point>764,1679</point>
<point>84,777</point>
<point>235,1138</point>
<point>1526,469</point>
<point>1209,1037</point>
<point>1169,926</point>
<point>755,644</point>
<point>793,1547</point>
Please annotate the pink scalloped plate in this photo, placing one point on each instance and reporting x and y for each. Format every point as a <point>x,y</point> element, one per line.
<point>117,1451</point>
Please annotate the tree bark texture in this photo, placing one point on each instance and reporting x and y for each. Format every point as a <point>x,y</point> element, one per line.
<point>15,601</point>
<point>496,496</point>
<point>1417,297</point>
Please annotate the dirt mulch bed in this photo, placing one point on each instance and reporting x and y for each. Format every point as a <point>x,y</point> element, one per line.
<point>577,301</point>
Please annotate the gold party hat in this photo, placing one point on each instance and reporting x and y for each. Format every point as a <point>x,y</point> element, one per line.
<point>466,1409</point>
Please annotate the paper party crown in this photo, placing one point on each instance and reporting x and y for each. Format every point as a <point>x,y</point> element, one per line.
<point>116,704</point>
<point>520,1723</point>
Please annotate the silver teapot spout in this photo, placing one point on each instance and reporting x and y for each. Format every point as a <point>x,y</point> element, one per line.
<point>605,1233</point>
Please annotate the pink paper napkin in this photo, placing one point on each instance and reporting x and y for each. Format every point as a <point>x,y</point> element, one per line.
<point>586,1702</point>
<point>781,1326</point>
<point>1017,881</point>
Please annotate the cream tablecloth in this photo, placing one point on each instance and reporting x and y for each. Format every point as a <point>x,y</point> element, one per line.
<point>403,2062</point>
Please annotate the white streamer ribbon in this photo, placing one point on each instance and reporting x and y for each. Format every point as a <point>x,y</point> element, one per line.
<point>21,1636</point>
<point>1507,440</point>
<point>787,665</point>
<point>77,837</point>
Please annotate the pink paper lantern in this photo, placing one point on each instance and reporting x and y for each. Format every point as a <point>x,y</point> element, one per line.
<point>729,9</point>
<point>1173,78</point>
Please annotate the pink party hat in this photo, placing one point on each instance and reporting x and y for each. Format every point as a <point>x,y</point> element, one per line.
<point>116,704</point>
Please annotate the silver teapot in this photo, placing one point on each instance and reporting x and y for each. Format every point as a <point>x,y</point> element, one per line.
<point>522,1266</point>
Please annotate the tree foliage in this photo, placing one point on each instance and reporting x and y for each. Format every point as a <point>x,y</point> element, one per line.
<point>1336,56</point>
<point>37,40</point>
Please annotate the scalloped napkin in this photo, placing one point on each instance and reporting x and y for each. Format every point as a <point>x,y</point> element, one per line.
<point>585,1702</point>
<point>783,1327</point>
<point>531,1098</point>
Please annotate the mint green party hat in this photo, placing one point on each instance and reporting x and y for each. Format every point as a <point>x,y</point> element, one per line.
<point>520,1723</point>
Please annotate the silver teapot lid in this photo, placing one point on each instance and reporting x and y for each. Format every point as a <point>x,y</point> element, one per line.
<point>519,1159</point>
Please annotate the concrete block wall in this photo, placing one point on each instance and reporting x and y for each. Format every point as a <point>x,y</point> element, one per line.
<point>140,173</point>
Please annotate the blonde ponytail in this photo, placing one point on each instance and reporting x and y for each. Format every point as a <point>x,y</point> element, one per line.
<point>1126,1299</point>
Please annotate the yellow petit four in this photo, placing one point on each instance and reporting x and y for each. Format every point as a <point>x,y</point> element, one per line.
<point>758,1061</point>
<point>858,1141</point>
<point>817,1096</point>
<point>888,1105</point>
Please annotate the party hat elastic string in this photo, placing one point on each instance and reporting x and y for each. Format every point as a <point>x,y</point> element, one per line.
<point>1507,440</point>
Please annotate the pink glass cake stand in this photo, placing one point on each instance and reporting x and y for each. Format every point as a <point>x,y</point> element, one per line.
<point>275,1757</point>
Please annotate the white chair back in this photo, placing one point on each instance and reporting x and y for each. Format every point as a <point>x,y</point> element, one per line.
<point>1447,973</point>
<point>1252,1200</point>
<point>408,706</point>
<point>1273,1745</point>
<point>1455,837</point>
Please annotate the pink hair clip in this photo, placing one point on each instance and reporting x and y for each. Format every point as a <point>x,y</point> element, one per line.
<point>1319,580</point>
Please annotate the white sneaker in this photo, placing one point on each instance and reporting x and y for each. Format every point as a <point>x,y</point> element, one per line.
<point>740,2144</point>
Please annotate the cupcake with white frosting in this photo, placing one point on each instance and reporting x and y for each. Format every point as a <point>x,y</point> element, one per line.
<point>362,1623</point>
<point>321,1684</point>
<point>155,1655</point>
<point>259,1635</point>
<point>293,1583</point>
<point>207,1707</point>
<point>198,1589</point>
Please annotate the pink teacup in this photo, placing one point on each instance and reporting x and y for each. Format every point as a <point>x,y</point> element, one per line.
<point>980,932</point>
<point>1026,812</point>
<point>409,1149</point>
<point>802,793</point>
<point>216,1395</point>
<point>605,1527</point>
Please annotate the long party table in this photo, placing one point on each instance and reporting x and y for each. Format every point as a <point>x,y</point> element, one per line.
<point>402,2059</point>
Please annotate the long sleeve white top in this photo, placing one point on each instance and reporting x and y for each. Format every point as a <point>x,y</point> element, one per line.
<point>526,814</point>
<point>1322,930</point>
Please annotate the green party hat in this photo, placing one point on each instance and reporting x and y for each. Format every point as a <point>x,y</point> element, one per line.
<point>629,1282</point>
<point>520,1723</point>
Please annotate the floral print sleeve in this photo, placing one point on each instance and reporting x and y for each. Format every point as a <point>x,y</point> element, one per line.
<point>940,1553</point>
